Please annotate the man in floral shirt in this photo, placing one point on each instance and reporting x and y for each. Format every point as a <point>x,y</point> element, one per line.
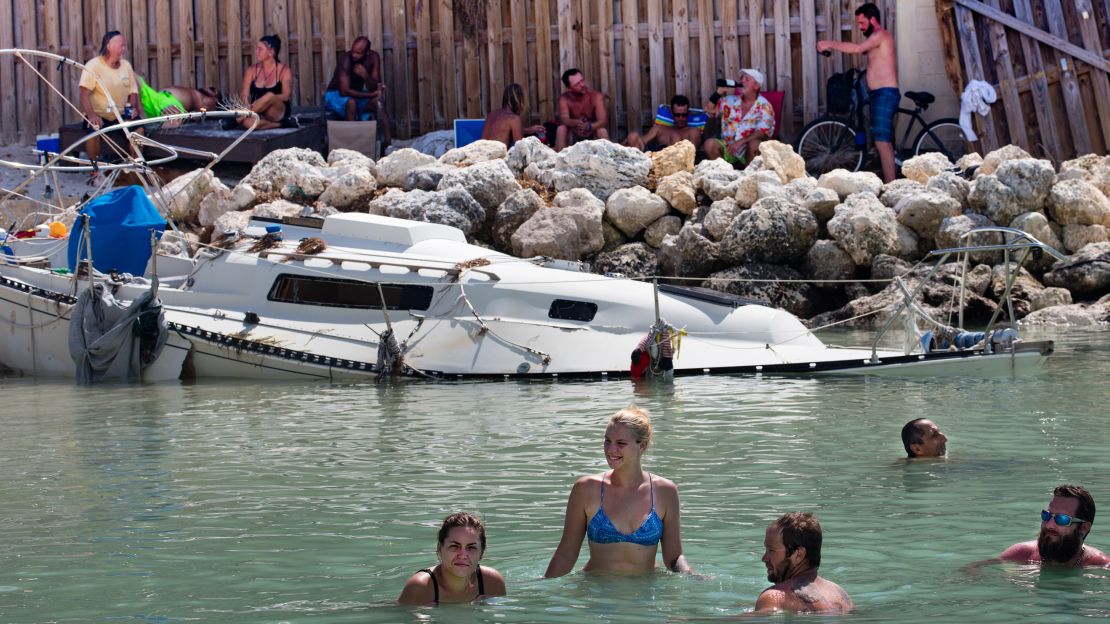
<point>747,119</point>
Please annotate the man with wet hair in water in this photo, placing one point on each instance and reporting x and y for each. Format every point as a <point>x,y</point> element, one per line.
<point>922,438</point>
<point>1065,525</point>
<point>792,555</point>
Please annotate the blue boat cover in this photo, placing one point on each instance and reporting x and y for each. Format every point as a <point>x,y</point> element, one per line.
<point>119,224</point>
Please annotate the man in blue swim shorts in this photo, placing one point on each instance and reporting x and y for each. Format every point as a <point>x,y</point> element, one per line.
<point>882,79</point>
<point>355,91</point>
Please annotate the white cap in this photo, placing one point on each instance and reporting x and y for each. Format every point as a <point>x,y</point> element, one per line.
<point>755,74</point>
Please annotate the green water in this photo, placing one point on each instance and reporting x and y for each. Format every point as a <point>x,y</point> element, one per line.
<point>278,503</point>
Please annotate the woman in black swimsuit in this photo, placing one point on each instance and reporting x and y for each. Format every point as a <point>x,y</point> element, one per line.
<point>268,85</point>
<point>457,577</point>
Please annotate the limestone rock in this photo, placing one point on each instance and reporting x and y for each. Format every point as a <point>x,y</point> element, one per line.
<point>748,191</point>
<point>489,182</point>
<point>910,245</point>
<point>798,189</point>
<point>989,196</point>
<point>1074,315</point>
<point>716,179</point>
<point>672,159</point>
<point>999,156</point>
<point>476,152</point>
<point>601,167</point>
<point>887,267</point>
<point>822,202</point>
<point>921,168</point>
<point>277,209</point>
<point>274,171</point>
<point>454,207</point>
<point>349,156</point>
<point>1077,237</point>
<point>792,296</point>
<point>633,259</point>
<point>1030,180</point>
<point>349,188</point>
<point>1049,297</point>
<point>846,182</point>
<point>720,215</point>
<point>783,160</point>
<point>863,227</point>
<point>512,213</point>
<point>689,254</point>
<point>827,261</point>
<point>971,159</point>
<point>1075,202</point>
<point>305,183</point>
<point>569,233</point>
<point>242,197</point>
<point>951,231</point>
<point>633,209</point>
<point>663,226</point>
<point>1086,273</point>
<point>426,177</point>
<point>612,236</point>
<point>232,221</point>
<point>393,168</point>
<point>580,198</point>
<point>527,151</point>
<point>924,211</point>
<point>896,191</point>
<point>183,194</point>
<point>951,184</point>
<point>678,191</point>
<point>772,230</point>
<point>1037,225</point>
<point>1025,288</point>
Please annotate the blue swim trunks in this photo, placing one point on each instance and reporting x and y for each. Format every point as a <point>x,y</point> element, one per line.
<point>884,103</point>
<point>335,103</point>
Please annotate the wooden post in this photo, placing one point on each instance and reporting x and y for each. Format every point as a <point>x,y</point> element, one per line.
<point>449,72</point>
<point>757,36</point>
<point>139,41</point>
<point>399,83</point>
<point>969,45</point>
<point>657,66</point>
<point>8,125</point>
<point>608,77</point>
<point>329,46</point>
<point>29,104</point>
<point>163,41</point>
<point>303,78</point>
<point>1034,62</point>
<point>783,68</point>
<point>568,44</point>
<point>630,33</point>
<point>587,58</point>
<point>730,39</point>
<point>51,33</point>
<point>518,28</point>
<point>681,44</point>
<point>706,47</point>
<point>1089,31</point>
<point>1004,68</point>
<point>809,61</point>
<point>210,50</point>
<point>426,87</point>
<point>495,50</point>
<point>234,46</point>
<point>546,74</point>
<point>1076,118</point>
<point>187,39</point>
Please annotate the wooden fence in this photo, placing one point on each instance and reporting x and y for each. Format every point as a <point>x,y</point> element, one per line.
<point>1047,63</point>
<point>442,59</point>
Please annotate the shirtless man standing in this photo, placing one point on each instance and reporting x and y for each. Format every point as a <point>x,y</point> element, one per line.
<point>660,136</point>
<point>882,79</point>
<point>1064,528</point>
<point>504,124</point>
<point>792,555</point>
<point>582,113</point>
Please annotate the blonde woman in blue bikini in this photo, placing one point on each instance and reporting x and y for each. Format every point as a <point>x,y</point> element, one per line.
<point>625,512</point>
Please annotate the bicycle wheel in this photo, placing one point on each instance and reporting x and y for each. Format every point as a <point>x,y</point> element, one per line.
<point>944,136</point>
<point>828,144</point>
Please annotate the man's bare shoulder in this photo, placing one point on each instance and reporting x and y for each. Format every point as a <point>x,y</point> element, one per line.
<point>1095,557</point>
<point>1023,552</point>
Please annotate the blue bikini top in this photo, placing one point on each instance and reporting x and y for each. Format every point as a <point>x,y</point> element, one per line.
<point>601,529</point>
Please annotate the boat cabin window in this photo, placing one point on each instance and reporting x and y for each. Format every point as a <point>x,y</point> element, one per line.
<point>343,293</point>
<point>568,310</point>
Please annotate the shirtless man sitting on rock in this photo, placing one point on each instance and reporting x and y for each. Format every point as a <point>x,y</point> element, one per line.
<point>582,113</point>
<point>792,555</point>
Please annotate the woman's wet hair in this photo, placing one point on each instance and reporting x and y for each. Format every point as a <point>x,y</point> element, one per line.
<point>635,419</point>
<point>108,36</point>
<point>513,98</point>
<point>463,519</point>
<point>273,42</point>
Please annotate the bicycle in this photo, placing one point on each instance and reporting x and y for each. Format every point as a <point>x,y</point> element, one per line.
<point>840,142</point>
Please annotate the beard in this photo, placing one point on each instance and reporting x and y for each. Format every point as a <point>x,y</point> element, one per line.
<point>779,574</point>
<point>1062,549</point>
<point>870,29</point>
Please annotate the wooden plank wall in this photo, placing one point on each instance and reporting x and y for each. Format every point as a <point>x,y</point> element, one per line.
<point>446,59</point>
<point>1046,61</point>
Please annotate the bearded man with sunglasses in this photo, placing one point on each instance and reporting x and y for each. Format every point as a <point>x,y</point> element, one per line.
<point>1064,527</point>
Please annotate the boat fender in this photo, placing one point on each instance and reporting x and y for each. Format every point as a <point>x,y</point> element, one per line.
<point>967,340</point>
<point>640,363</point>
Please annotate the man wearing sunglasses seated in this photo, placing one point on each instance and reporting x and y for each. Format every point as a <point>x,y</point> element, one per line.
<point>1064,527</point>
<point>672,124</point>
<point>922,438</point>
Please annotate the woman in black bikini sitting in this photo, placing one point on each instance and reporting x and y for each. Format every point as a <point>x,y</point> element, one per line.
<point>457,577</point>
<point>268,86</point>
